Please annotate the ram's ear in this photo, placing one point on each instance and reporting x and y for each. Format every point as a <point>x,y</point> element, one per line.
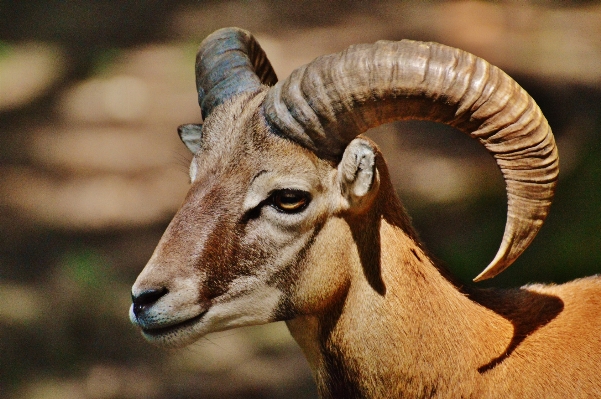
<point>191,135</point>
<point>358,176</point>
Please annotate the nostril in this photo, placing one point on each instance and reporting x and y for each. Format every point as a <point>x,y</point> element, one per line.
<point>146,299</point>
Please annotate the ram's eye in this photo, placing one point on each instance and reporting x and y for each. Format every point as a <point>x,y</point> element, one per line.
<point>290,201</point>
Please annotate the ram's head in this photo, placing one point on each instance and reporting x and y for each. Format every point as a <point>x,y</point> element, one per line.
<point>284,191</point>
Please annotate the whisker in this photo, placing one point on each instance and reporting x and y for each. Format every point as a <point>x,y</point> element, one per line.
<point>182,161</point>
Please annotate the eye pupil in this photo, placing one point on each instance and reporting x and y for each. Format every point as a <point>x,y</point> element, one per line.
<point>290,200</point>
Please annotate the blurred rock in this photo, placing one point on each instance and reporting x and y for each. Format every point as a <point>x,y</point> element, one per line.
<point>291,49</point>
<point>546,43</point>
<point>107,382</point>
<point>27,71</point>
<point>114,159</point>
<point>250,362</point>
<point>226,351</point>
<point>93,202</point>
<point>434,164</point>
<point>20,304</point>
<point>119,98</point>
<point>89,149</point>
<point>144,85</point>
<point>53,389</point>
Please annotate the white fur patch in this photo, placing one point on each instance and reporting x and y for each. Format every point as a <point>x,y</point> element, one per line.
<point>249,301</point>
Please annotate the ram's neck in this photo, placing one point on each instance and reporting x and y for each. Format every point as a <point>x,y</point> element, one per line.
<point>402,327</point>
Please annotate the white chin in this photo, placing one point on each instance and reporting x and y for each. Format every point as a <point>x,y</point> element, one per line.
<point>176,336</point>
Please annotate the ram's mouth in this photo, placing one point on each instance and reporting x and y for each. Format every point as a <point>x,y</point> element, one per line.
<point>155,333</point>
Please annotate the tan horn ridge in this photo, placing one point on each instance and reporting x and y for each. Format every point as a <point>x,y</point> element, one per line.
<point>325,104</point>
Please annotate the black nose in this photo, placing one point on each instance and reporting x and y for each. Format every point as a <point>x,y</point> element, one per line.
<point>146,299</point>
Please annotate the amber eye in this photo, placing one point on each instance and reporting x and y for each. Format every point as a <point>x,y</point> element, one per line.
<point>290,201</point>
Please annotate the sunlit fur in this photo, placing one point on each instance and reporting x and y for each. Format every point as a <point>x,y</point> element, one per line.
<point>374,315</point>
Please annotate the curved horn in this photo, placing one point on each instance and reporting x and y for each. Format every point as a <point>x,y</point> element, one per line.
<point>327,103</point>
<point>229,62</point>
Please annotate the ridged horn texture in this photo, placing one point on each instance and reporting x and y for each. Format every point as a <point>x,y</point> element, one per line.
<point>328,102</point>
<point>230,62</point>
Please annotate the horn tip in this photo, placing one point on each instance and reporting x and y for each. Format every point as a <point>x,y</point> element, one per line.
<point>483,276</point>
<point>498,264</point>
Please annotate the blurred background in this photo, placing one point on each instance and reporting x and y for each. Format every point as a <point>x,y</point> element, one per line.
<point>92,170</point>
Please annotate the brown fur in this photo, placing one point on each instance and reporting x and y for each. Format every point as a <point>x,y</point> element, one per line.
<point>374,315</point>
<point>402,329</point>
